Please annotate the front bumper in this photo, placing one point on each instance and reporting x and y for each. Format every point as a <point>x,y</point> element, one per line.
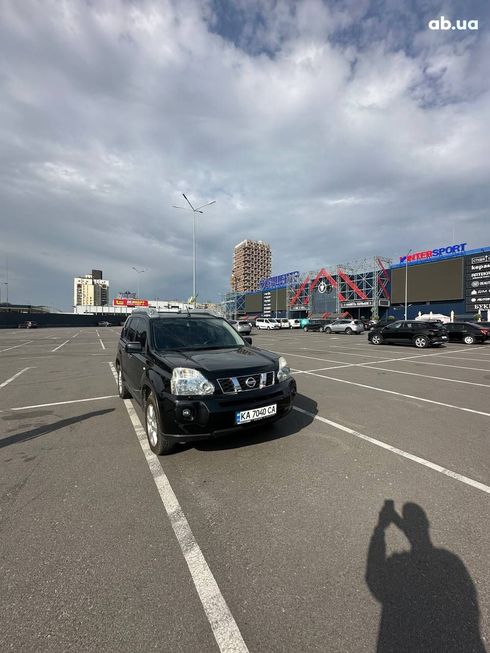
<point>214,415</point>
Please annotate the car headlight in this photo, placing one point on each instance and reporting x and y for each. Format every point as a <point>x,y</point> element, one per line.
<point>284,372</point>
<point>187,381</point>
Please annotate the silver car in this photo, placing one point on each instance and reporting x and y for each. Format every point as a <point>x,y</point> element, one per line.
<point>345,326</point>
<point>242,326</point>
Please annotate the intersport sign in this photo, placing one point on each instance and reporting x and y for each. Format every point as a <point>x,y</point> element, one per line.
<point>434,253</point>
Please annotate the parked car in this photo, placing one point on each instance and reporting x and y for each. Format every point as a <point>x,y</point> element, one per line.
<point>267,323</point>
<point>104,324</point>
<point>242,326</point>
<point>314,325</point>
<point>485,325</point>
<point>294,323</point>
<point>284,322</point>
<point>196,377</point>
<point>467,332</point>
<point>28,325</point>
<point>410,332</point>
<point>368,324</point>
<point>346,325</point>
<point>385,321</point>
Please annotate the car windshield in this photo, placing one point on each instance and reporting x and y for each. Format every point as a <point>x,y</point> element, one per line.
<point>194,333</point>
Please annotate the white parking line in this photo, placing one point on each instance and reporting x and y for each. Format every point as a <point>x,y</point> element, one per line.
<point>456,367</point>
<point>101,344</point>
<point>400,394</point>
<point>15,346</point>
<point>223,625</point>
<point>370,366</point>
<point>62,344</point>
<point>2,385</point>
<point>59,403</point>
<point>97,332</point>
<point>400,452</point>
<point>410,359</point>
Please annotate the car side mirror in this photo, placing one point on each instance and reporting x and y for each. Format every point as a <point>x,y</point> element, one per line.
<point>133,347</point>
<point>248,340</point>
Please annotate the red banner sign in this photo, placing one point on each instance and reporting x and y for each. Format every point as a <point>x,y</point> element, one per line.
<point>130,303</point>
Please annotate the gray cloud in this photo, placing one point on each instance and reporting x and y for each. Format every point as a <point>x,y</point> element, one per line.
<point>310,135</point>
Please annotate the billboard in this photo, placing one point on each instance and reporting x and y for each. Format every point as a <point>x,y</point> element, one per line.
<point>278,281</point>
<point>253,303</point>
<point>447,250</point>
<point>477,282</point>
<point>433,282</point>
<point>130,303</point>
<point>273,301</point>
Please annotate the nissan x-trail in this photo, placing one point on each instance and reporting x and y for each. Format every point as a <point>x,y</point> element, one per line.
<point>195,377</point>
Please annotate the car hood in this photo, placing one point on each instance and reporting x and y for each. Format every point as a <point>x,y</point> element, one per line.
<point>219,362</point>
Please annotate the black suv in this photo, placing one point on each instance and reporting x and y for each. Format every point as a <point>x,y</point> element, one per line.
<point>418,333</point>
<point>196,377</point>
<point>467,332</point>
<point>317,325</point>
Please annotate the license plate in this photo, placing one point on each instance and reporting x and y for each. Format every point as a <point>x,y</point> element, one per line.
<point>244,416</point>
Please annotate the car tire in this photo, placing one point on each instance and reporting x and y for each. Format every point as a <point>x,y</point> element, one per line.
<point>121,386</point>
<point>328,330</point>
<point>421,342</point>
<point>469,340</point>
<point>321,329</point>
<point>305,329</point>
<point>348,331</point>
<point>159,444</point>
<point>377,339</point>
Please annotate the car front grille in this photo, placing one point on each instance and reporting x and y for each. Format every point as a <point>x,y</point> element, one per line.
<point>234,384</point>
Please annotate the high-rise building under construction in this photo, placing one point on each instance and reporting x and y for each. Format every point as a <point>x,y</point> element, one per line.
<point>252,261</point>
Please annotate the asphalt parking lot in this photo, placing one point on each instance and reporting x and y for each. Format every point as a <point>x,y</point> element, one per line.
<point>285,518</point>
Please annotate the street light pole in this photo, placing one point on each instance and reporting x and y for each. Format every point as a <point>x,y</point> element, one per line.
<point>194,258</point>
<point>406,283</point>
<point>138,272</point>
<point>194,211</point>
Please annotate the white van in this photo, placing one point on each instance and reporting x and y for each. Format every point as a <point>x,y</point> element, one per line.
<point>284,322</point>
<point>266,323</point>
<point>294,323</point>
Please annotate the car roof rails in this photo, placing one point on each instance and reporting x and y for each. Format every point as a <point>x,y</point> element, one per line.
<point>152,312</point>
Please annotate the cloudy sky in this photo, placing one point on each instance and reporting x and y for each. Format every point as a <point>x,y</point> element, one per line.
<point>334,130</point>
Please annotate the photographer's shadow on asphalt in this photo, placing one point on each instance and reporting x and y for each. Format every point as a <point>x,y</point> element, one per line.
<point>428,599</point>
<point>291,424</point>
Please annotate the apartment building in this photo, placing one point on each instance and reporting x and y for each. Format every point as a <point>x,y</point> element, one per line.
<point>91,290</point>
<point>252,261</point>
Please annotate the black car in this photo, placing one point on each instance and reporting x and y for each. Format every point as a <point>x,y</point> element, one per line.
<point>317,325</point>
<point>27,325</point>
<point>196,377</point>
<point>410,332</point>
<point>467,332</point>
<point>368,324</point>
<point>484,325</point>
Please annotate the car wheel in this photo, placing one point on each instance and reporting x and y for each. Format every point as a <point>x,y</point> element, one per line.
<point>469,340</point>
<point>159,444</point>
<point>121,386</point>
<point>377,340</point>
<point>348,331</point>
<point>305,328</point>
<point>321,329</point>
<point>328,330</point>
<point>421,342</point>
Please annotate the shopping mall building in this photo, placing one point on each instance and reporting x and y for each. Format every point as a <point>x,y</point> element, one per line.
<point>444,279</point>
